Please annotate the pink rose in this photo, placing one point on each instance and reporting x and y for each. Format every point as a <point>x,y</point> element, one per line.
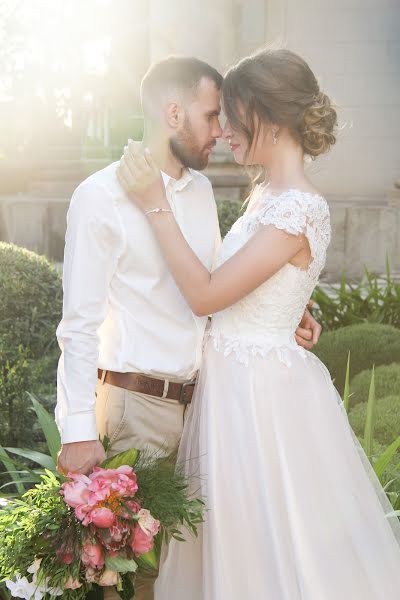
<point>92,556</point>
<point>108,577</point>
<point>142,542</point>
<point>102,517</point>
<point>72,584</point>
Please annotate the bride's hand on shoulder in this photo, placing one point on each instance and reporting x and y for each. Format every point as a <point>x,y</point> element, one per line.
<point>141,179</point>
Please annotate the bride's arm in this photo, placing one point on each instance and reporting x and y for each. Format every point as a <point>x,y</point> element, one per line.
<point>206,293</point>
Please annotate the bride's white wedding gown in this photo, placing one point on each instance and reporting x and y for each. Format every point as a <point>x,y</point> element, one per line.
<point>294,510</point>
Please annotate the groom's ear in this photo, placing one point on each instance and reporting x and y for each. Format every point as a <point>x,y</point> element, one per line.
<point>175,115</point>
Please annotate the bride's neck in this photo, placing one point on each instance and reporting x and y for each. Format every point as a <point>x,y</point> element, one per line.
<point>285,168</point>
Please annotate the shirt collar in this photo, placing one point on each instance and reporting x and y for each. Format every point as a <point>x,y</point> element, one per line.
<point>177,184</point>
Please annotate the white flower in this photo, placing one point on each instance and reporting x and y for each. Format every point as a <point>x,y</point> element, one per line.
<point>149,524</point>
<point>22,588</point>
<point>3,502</point>
<point>35,566</point>
<point>44,588</point>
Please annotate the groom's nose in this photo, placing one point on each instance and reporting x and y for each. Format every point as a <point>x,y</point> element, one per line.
<point>217,130</point>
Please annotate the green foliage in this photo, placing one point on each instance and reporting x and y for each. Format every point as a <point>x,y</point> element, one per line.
<point>30,308</point>
<point>228,212</point>
<point>19,471</point>
<point>374,300</point>
<point>173,506</point>
<point>384,458</point>
<point>22,525</point>
<point>387,383</point>
<point>369,344</point>
<point>370,418</point>
<point>387,419</point>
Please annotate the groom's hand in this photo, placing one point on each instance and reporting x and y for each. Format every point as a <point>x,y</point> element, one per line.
<point>308,332</point>
<point>80,457</point>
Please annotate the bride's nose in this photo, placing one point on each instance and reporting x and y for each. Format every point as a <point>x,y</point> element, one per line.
<point>227,131</point>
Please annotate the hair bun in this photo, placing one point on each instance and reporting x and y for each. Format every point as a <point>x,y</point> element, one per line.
<point>318,126</point>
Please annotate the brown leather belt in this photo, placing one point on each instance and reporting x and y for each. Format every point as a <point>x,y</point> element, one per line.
<point>137,382</point>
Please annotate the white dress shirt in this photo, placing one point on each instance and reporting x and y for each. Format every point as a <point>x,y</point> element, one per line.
<point>122,310</point>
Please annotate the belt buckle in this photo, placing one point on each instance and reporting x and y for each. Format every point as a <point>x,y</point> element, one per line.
<point>182,399</point>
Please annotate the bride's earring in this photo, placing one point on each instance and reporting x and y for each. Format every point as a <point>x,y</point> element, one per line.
<point>274,137</point>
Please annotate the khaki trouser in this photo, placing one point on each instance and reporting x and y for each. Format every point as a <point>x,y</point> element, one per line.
<point>133,420</point>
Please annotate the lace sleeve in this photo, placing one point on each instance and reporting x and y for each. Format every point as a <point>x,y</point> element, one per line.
<point>298,213</point>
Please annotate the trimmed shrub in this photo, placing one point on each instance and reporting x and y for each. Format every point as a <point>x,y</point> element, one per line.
<point>369,344</point>
<point>30,309</point>
<point>387,383</point>
<point>228,213</point>
<point>387,419</point>
<point>30,301</point>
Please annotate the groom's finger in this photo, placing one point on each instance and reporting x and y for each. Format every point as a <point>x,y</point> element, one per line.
<point>303,343</point>
<point>316,333</point>
<point>304,333</point>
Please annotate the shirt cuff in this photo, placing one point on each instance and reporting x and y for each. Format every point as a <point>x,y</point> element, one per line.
<point>79,427</point>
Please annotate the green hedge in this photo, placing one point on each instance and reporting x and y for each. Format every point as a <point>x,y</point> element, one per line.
<point>30,301</point>
<point>387,383</point>
<point>387,419</point>
<point>228,212</point>
<point>30,310</point>
<point>369,344</point>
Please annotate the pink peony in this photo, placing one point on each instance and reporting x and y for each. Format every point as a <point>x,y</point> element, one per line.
<point>92,556</point>
<point>102,517</point>
<point>76,492</point>
<point>116,537</point>
<point>142,542</point>
<point>98,498</point>
<point>108,577</point>
<point>72,584</point>
<point>121,481</point>
<point>133,507</point>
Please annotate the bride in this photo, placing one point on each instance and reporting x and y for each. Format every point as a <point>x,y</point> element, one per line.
<point>294,509</point>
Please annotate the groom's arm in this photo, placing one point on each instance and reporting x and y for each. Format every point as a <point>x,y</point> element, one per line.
<point>94,241</point>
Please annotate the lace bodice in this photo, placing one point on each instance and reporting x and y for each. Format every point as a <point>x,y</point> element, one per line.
<point>268,317</point>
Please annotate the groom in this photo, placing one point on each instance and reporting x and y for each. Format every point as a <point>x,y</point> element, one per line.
<point>130,345</point>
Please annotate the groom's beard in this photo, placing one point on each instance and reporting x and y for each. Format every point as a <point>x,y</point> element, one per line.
<point>185,149</point>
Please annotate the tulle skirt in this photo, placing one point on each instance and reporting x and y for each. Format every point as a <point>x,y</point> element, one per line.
<point>295,511</point>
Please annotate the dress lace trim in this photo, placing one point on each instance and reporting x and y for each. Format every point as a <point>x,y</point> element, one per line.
<point>243,349</point>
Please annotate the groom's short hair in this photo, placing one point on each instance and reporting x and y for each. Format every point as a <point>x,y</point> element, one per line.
<point>175,73</point>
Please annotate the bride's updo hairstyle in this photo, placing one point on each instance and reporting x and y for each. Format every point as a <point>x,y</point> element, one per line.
<point>279,87</point>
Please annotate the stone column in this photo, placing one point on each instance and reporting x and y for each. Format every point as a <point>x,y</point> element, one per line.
<point>204,29</point>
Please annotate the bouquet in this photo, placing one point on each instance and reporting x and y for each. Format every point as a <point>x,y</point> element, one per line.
<point>73,536</point>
